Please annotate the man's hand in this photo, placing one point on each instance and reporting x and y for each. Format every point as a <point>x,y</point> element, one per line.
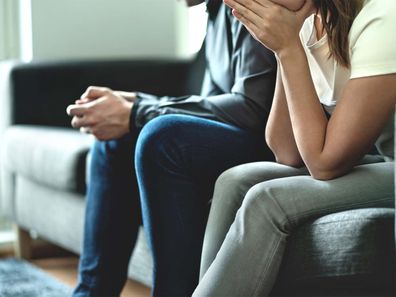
<point>91,94</point>
<point>102,112</point>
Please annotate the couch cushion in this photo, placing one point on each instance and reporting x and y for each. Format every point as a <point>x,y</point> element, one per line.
<point>51,156</point>
<point>348,251</point>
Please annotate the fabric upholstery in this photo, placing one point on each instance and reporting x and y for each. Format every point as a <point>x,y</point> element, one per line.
<point>54,157</point>
<point>55,215</point>
<point>54,85</point>
<point>141,264</point>
<point>7,194</point>
<point>356,244</point>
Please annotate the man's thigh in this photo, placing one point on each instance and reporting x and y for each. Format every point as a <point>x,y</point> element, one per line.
<point>200,148</point>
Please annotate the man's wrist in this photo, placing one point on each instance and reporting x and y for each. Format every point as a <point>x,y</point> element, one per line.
<point>128,96</point>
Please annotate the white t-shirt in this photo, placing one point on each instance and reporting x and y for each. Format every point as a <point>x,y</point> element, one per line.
<point>372,42</point>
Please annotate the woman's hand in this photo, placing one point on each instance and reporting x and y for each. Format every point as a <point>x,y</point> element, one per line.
<point>276,27</point>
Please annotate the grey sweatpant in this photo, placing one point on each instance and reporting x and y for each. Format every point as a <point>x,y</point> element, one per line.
<point>256,206</point>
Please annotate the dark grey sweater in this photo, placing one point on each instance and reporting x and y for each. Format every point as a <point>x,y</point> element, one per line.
<point>238,84</point>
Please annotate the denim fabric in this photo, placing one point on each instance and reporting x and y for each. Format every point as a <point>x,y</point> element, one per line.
<point>177,161</point>
<point>112,218</point>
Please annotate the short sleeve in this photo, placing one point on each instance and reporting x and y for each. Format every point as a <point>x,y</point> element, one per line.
<point>307,31</point>
<point>373,40</point>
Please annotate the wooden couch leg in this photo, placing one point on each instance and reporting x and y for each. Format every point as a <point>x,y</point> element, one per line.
<point>22,245</point>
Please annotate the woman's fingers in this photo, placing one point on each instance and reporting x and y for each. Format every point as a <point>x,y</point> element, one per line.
<point>248,10</point>
<point>250,13</point>
<point>275,26</point>
<point>307,9</point>
<point>267,3</point>
<point>250,26</point>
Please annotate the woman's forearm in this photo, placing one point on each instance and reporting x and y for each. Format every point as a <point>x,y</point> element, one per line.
<point>279,133</point>
<point>309,122</point>
<point>329,148</point>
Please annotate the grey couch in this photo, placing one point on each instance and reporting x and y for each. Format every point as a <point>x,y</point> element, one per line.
<point>43,178</point>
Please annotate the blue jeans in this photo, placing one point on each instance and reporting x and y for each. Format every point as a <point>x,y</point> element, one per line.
<point>177,161</point>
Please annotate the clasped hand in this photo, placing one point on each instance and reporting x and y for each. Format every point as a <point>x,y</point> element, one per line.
<point>102,112</point>
<point>275,26</point>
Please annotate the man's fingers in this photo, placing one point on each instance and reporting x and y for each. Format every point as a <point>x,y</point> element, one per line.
<point>94,92</point>
<point>84,100</point>
<point>78,122</point>
<point>86,130</point>
<point>76,110</point>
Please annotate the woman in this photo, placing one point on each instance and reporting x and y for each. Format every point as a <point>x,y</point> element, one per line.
<point>334,99</point>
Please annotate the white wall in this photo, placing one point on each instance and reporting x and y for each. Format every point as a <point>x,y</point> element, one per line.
<point>2,33</point>
<point>191,28</point>
<point>9,42</point>
<point>104,28</point>
<point>45,29</point>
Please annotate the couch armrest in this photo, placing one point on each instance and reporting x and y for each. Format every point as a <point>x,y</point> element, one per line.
<point>40,91</point>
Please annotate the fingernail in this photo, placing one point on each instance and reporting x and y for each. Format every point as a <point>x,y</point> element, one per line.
<point>236,14</point>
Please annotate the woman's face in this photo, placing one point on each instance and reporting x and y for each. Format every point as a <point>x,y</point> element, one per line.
<point>290,4</point>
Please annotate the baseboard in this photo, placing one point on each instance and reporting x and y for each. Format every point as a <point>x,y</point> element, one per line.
<point>40,249</point>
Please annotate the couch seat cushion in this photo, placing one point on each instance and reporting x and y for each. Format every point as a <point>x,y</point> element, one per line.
<point>349,251</point>
<point>51,156</point>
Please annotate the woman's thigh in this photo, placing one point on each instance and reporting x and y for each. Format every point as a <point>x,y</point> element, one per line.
<point>230,190</point>
<point>270,211</point>
<point>300,198</point>
<point>232,186</point>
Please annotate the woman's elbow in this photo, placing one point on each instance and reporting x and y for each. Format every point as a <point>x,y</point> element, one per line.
<point>323,175</point>
<point>291,160</point>
<point>327,173</point>
<point>285,157</point>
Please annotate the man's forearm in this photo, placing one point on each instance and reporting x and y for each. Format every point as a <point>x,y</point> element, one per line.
<point>233,109</point>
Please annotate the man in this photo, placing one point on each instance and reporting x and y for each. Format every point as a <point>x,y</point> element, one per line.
<point>177,159</point>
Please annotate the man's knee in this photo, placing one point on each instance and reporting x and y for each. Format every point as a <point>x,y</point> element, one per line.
<point>159,137</point>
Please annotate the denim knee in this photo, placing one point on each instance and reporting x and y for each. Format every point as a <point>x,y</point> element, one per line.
<point>159,139</point>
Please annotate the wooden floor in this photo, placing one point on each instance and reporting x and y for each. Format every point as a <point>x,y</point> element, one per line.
<point>65,270</point>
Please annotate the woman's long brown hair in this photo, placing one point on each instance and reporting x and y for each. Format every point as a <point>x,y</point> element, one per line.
<point>337,17</point>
